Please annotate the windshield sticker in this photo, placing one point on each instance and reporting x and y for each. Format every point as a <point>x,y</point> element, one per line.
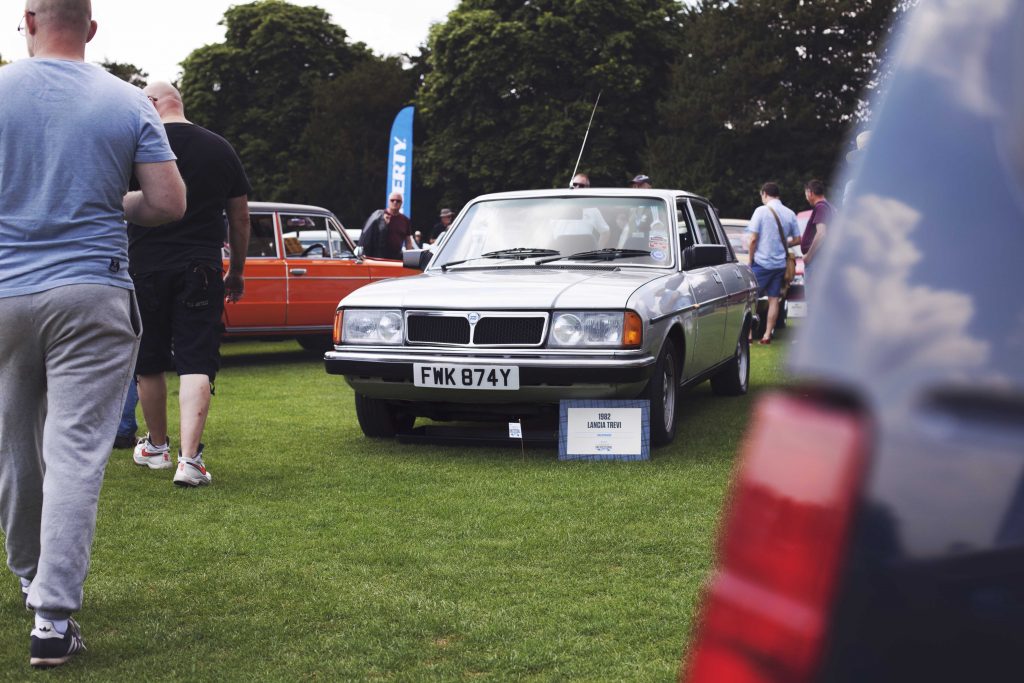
<point>657,255</point>
<point>659,242</point>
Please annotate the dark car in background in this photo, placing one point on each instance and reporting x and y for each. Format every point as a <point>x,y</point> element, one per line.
<point>876,525</point>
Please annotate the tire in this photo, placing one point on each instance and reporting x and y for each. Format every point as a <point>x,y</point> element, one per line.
<point>734,377</point>
<point>663,393</point>
<point>316,343</point>
<point>379,420</point>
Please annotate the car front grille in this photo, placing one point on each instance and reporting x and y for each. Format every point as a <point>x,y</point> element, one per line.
<point>457,328</point>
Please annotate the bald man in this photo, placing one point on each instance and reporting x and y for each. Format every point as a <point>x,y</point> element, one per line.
<point>178,273</point>
<point>71,136</point>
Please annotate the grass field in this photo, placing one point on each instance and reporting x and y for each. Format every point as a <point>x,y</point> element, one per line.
<point>318,554</point>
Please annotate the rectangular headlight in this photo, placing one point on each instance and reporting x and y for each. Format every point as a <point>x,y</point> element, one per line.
<point>584,329</point>
<point>368,326</point>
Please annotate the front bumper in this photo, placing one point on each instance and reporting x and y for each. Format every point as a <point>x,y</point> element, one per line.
<point>544,376</point>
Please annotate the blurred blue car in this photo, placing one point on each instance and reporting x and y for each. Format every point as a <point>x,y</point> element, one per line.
<point>876,527</point>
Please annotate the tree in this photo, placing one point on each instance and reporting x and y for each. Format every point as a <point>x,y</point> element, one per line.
<point>765,90</point>
<point>340,161</point>
<point>257,88</point>
<point>127,72</point>
<point>510,86</point>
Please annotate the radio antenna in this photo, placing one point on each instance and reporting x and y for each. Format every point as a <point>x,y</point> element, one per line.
<point>577,167</point>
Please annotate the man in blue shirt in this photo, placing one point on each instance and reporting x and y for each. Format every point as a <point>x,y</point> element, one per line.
<point>773,229</point>
<point>71,135</point>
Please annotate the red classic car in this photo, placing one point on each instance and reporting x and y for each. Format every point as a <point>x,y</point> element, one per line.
<point>300,264</point>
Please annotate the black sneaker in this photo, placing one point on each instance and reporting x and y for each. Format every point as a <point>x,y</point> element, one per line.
<point>49,648</point>
<point>126,441</point>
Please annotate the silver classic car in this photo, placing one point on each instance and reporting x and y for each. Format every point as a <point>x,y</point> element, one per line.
<point>538,296</point>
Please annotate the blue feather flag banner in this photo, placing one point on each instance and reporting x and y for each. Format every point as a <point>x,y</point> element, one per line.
<point>400,159</point>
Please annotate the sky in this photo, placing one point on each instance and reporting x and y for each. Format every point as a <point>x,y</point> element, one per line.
<point>155,35</point>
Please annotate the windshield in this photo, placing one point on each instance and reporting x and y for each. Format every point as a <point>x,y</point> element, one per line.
<point>553,230</point>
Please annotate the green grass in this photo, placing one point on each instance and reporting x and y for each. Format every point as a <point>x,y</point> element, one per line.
<point>319,554</point>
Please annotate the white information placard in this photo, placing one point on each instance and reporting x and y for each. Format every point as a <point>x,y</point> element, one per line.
<point>604,430</point>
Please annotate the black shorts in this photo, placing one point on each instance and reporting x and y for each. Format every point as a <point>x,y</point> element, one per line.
<point>181,320</point>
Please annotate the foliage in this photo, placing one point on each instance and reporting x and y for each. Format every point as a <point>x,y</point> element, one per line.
<point>318,554</point>
<point>766,90</point>
<point>339,162</point>
<point>511,85</point>
<point>127,72</point>
<point>257,88</point>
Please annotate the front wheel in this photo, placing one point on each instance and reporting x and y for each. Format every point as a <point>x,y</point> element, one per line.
<point>379,420</point>
<point>662,391</point>
<point>734,377</point>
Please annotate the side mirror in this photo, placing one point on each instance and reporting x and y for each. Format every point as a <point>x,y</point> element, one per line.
<point>358,253</point>
<point>701,255</point>
<point>417,259</point>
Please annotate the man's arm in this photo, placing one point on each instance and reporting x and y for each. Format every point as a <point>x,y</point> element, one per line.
<point>161,195</point>
<point>819,234</point>
<point>238,240</point>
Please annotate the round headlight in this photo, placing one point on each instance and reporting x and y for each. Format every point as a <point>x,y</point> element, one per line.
<point>567,330</point>
<point>390,328</point>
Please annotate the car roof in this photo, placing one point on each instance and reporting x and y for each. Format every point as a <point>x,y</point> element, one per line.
<point>283,206</point>
<point>625,192</point>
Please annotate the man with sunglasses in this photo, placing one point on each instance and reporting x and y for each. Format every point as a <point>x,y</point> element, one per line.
<point>71,136</point>
<point>387,230</point>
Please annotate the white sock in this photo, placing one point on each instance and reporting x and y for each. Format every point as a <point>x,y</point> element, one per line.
<point>59,625</point>
<point>25,583</point>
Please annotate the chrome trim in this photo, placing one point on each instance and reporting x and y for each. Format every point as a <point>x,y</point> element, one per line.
<point>631,359</point>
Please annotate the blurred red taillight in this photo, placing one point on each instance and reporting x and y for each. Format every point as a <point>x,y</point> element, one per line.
<point>783,543</point>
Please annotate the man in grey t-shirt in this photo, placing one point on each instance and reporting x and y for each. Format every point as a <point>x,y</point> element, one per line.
<point>71,135</point>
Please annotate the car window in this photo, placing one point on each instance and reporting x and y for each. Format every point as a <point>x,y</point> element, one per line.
<point>261,236</point>
<point>705,224</point>
<point>308,236</point>
<point>684,226</point>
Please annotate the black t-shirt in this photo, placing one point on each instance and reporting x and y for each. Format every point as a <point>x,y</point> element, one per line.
<point>213,174</point>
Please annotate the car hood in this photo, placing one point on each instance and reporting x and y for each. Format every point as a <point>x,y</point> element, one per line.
<point>517,288</point>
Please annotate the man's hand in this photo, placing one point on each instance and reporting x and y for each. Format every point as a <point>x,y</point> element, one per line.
<point>234,286</point>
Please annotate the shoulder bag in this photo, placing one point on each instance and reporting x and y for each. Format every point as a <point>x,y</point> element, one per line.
<point>790,259</point>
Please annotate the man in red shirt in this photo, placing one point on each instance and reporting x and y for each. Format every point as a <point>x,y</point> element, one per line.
<point>386,231</point>
<point>817,225</point>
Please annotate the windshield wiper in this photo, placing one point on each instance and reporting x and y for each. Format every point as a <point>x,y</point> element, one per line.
<point>608,254</point>
<point>518,253</point>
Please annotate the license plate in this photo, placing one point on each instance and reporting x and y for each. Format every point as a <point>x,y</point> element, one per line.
<point>797,309</point>
<point>445,376</point>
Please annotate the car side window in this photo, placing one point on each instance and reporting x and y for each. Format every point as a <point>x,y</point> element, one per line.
<point>261,236</point>
<point>705,224</point>
<point>306,236</point>
<point>684,227</point>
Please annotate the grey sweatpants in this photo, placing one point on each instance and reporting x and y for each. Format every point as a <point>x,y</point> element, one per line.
<point>66,356</point>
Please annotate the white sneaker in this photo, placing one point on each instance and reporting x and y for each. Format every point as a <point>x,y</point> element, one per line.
<point>192,471</point>
<point>153,457</point>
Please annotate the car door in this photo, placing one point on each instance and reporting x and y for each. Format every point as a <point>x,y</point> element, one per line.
<point>708,287</point>
<point>735,279</point>
<point>321,269</point>
<point>263,304</point>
